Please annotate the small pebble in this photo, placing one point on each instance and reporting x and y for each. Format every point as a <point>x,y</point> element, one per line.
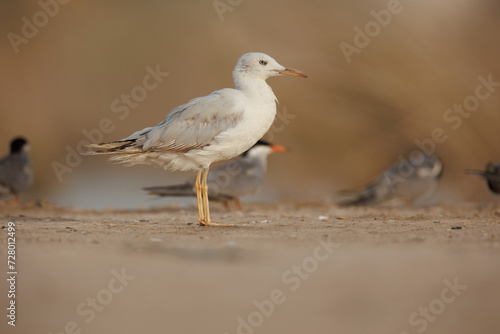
<point>156,239</point>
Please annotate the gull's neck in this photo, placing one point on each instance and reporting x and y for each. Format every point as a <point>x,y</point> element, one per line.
<point>253,86</point>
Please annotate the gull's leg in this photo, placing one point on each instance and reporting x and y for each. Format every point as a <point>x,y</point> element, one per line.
<point>204,188</point>
<point>197,184</point>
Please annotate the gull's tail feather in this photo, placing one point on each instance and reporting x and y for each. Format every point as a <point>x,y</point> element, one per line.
<point>186,189</point>
<point>125,147</point>
<point>127,152</point>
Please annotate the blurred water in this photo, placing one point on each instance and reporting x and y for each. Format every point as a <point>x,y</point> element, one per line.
<point>118,187</point>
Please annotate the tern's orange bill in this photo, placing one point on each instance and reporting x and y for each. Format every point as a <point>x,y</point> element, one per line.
<point>278,148</point>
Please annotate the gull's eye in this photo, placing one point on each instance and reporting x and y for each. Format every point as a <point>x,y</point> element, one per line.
<point>263,62</point>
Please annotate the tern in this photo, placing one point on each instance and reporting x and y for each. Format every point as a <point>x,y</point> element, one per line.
<point>491,174</point>
<point>219,126</point>
<point>230,181</point>
<point>410,181</point>
<point>16,174</point>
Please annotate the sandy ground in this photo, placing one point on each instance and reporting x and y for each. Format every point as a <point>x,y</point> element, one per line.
<point>284,268</point>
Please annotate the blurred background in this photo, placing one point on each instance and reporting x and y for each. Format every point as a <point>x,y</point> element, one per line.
<point>62,73</point>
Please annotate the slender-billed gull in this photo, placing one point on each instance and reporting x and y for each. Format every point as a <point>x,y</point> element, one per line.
<point>207,129</point>
<point>230,181</point>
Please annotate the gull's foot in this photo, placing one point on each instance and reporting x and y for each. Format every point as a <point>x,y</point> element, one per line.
<point>209,223</point>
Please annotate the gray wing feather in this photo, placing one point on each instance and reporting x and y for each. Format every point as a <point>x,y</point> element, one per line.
<point>189,126</point>
<point>485,174</point>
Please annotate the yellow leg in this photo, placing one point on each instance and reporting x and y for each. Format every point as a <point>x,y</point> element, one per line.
<point>201,216</point>
<point>204,189</point>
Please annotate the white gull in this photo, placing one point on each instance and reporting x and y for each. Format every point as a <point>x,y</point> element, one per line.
<point>207,129</point>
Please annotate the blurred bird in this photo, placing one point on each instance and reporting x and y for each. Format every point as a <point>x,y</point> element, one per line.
<point>16,174</point>
<point>409,181</point>
<point>216,127</point>
<point>235,179</point>
<point>491,174</point>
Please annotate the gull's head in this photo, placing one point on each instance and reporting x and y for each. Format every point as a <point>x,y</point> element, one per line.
<point>261,66</point>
